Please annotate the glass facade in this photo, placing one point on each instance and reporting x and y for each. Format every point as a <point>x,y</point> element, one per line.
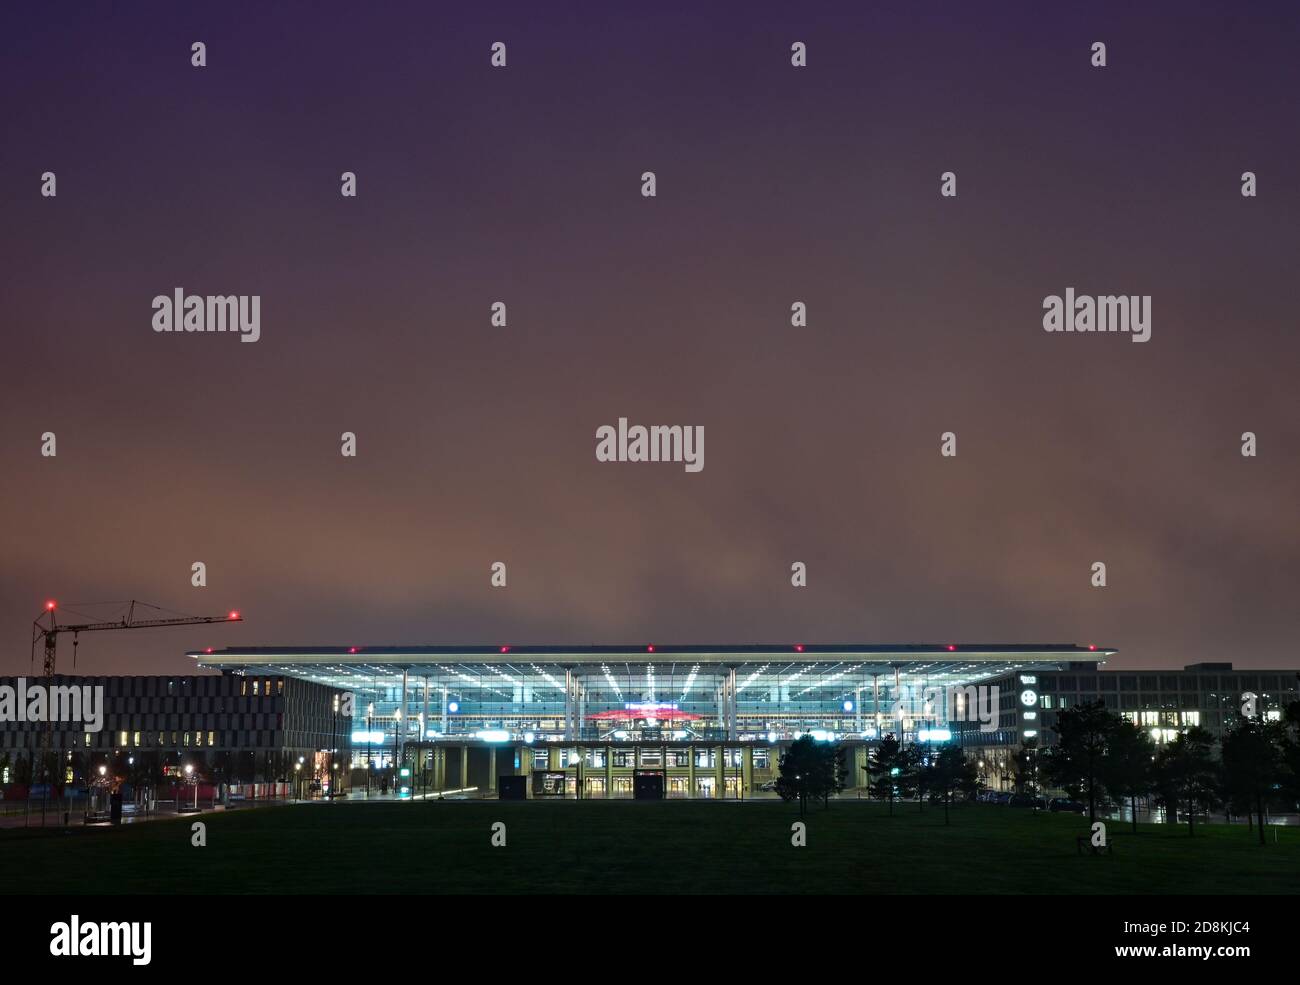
<point>649,695</point>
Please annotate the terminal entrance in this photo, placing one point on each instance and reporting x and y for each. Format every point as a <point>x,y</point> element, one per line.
<point>648,785</point>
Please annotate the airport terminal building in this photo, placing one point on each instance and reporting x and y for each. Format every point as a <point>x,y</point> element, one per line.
<point>708,721</point>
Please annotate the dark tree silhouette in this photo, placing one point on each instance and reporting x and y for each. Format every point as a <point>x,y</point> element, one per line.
<point>1252,756</point>
<point>810,770</point>
<point>1127,767</point>
<point>1075,763</point>
<point>1186,773</point>
<point>884,768</point>
<point>948,772</point>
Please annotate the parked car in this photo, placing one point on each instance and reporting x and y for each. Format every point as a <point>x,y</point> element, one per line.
<point>1022,800</point>
<point>1065,804</point>
<point>1002,797</point>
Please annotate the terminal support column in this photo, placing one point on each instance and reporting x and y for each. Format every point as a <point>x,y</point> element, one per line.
<point>747,777</point>
<point>424,716</point>
<point>719,779</point>
<point>401,724</point>
<point>568,703</point>
<point>731,702</point>
<point>464,766</point>
<point>492,768</point>
<point>690,770</point>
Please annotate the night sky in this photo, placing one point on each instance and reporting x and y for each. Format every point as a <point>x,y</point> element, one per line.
<point>775,184</point>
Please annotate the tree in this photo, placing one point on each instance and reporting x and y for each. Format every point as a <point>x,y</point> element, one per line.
<point>1026,767</point>
<point>884,766</point>
<point>913,779</point>
<point>1252,765</point>
<point>947,772</point>
<point>1075,763</point>
<point>1186,774</point>
<point>1127,767</point>
<point>22,770</point>
<point>810,770</point>
<point>1289,774</point>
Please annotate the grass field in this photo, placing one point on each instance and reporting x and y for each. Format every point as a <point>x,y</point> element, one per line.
<point>628,847</point>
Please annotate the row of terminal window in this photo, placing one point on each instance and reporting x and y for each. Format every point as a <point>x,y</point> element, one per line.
<point>145,739</point>
<point>630,758</point>
<point>1152,682</point>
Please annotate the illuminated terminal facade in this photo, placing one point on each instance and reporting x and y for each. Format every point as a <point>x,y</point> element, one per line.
<point>698,721</point>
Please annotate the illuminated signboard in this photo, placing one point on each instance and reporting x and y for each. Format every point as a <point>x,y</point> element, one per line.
<point>548,784</point>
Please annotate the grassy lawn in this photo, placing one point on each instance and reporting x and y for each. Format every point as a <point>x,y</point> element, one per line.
<point>621,847</point>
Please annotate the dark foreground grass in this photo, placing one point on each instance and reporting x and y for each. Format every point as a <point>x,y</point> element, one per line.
<point>673,847</point>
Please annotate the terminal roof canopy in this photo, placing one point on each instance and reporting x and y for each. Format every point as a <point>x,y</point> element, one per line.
<point>954,661</point>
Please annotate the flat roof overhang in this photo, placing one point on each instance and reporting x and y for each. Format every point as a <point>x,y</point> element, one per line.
<point>976,656</point>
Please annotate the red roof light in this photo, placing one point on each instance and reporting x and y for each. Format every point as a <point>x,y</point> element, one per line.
<point>650,649</point>
<point>49,606</point>
<point>798,648</point>
<point>505,649</point>
<point>234,614</point>
<point>951,647</point>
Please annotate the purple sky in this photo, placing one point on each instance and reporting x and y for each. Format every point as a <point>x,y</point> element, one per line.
<point>775,184</point>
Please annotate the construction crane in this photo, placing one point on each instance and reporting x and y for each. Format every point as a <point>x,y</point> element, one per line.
<point>50,633</point>
<point>46,628</point>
